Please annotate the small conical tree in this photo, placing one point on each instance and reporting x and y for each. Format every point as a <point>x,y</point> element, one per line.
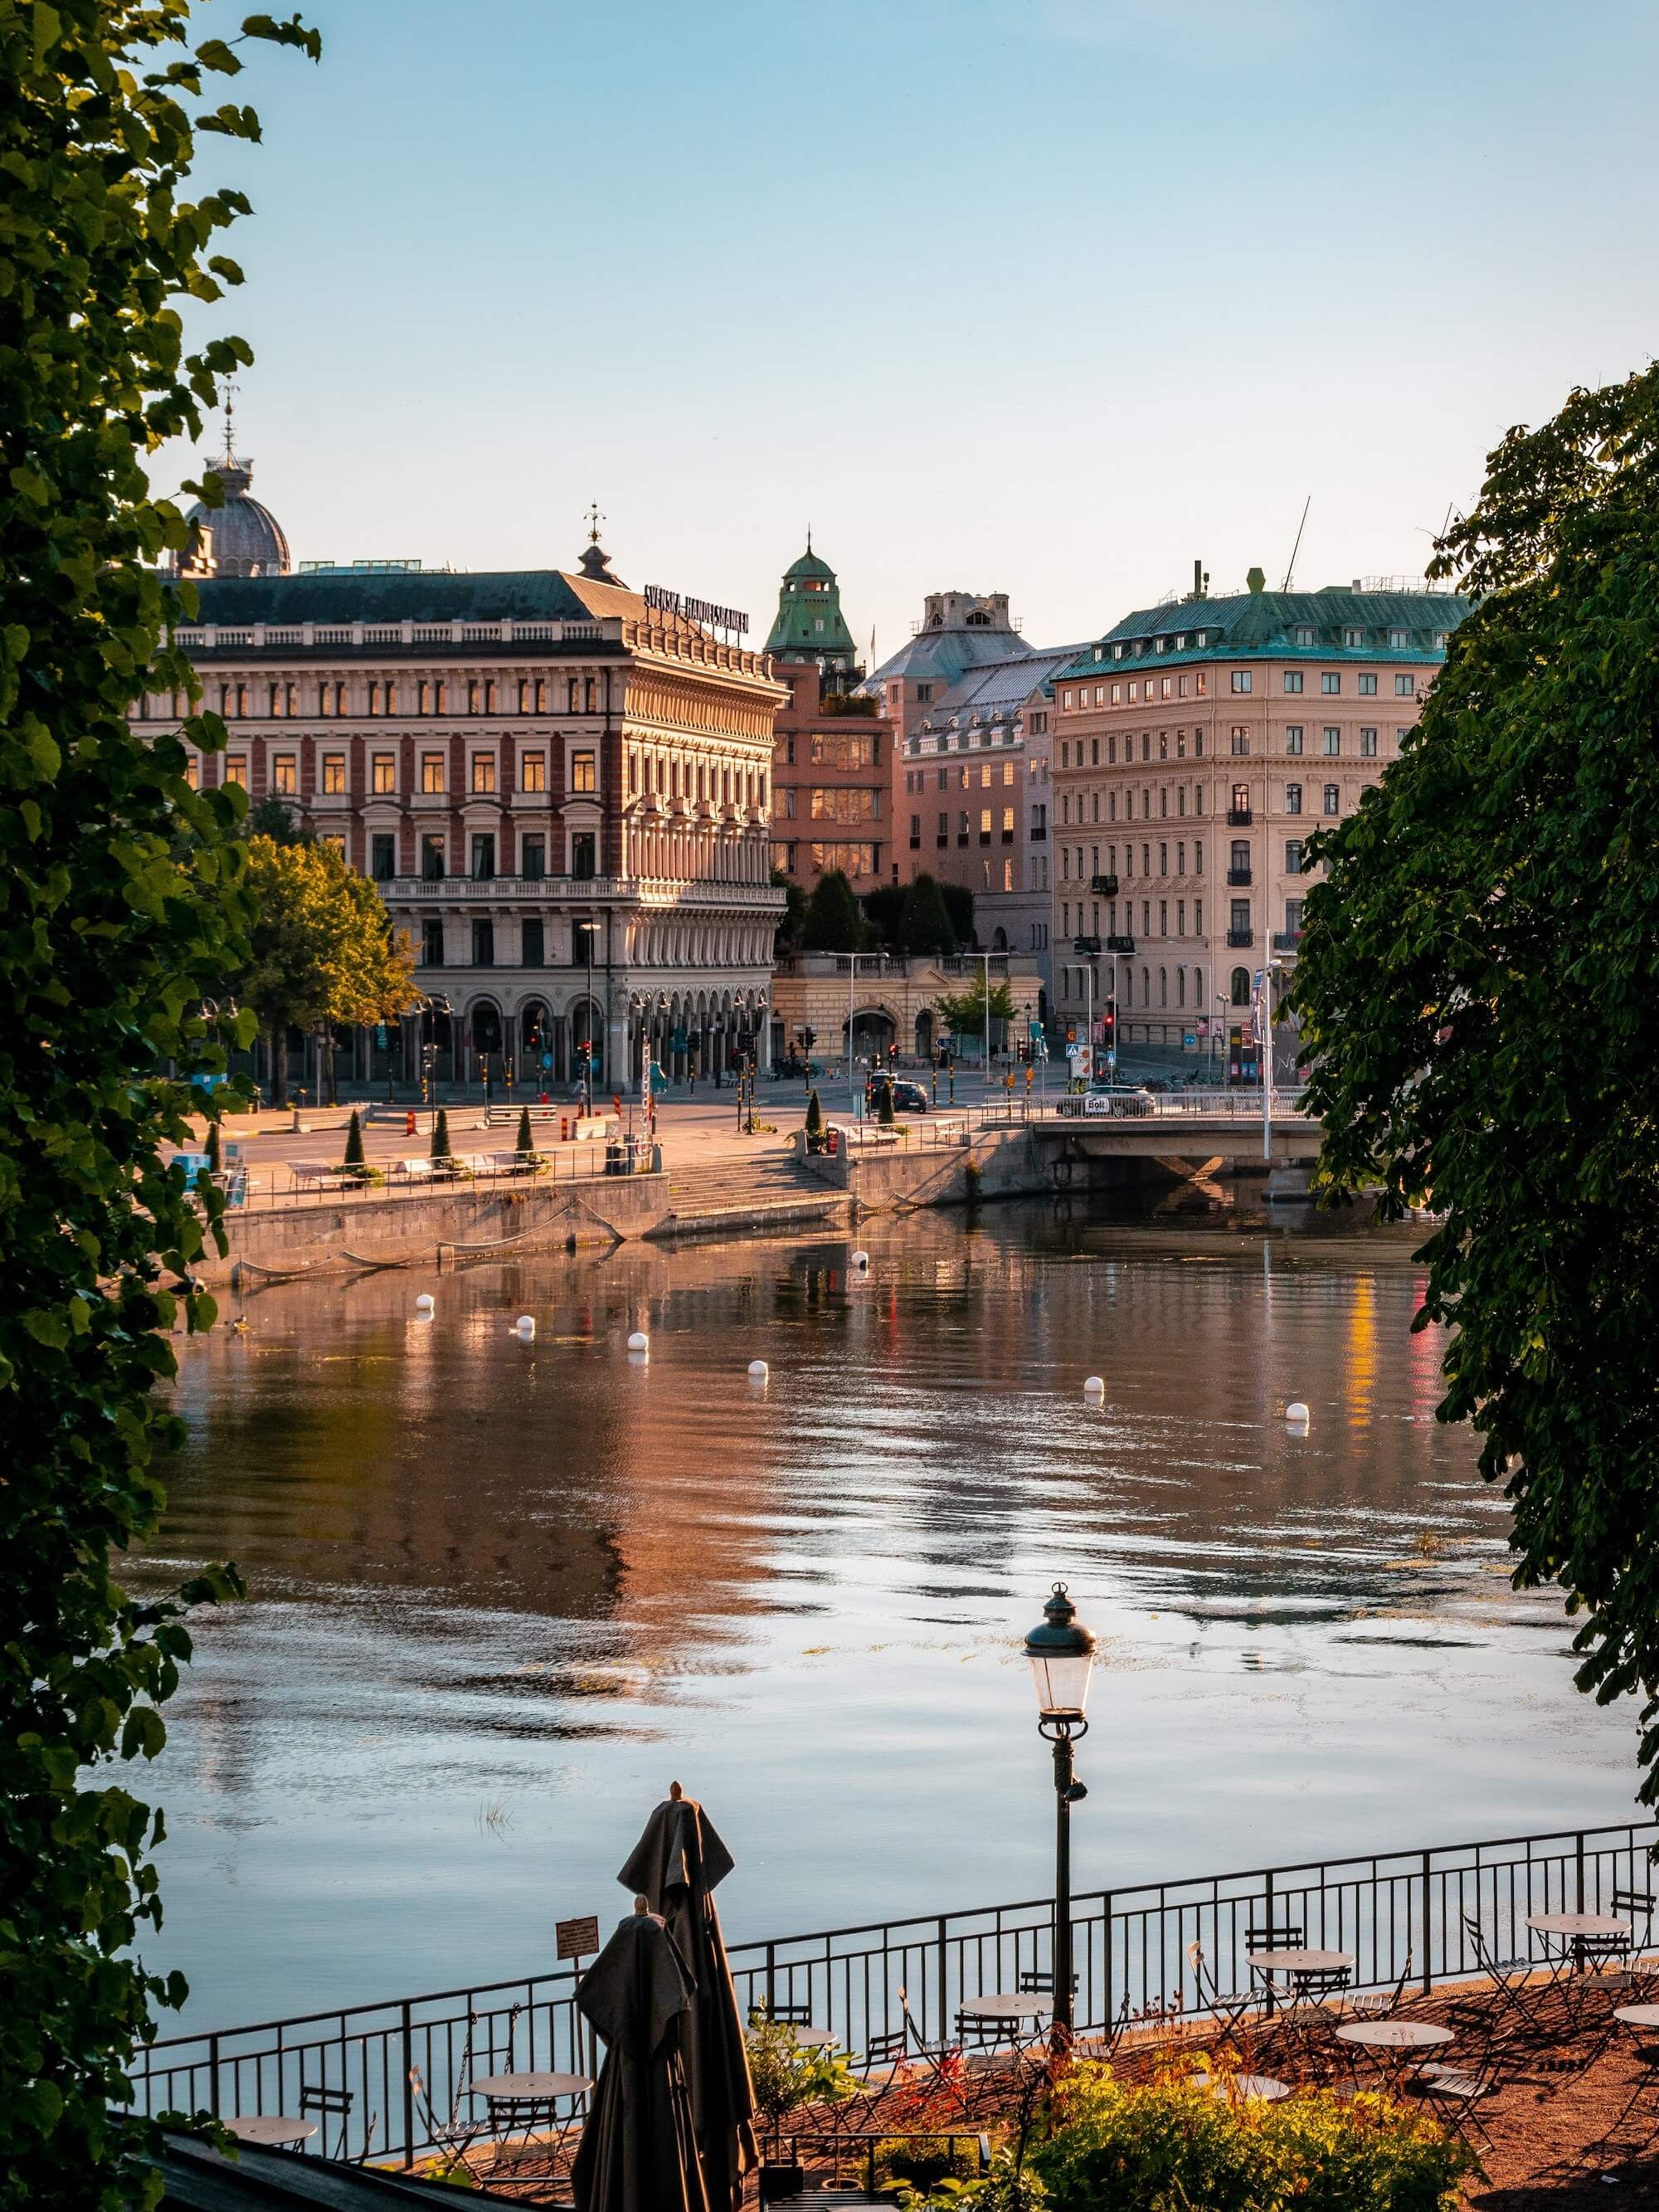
<point>833,921</point>
<point>525,1143</point>
<point>216,1158</point>
<point>441,1136</point>
<point>925,928</point>
<point>885,1104</point>
<point>353,1160</point>
<point>814,1116</point>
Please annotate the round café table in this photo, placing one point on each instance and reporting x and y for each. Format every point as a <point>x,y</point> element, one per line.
<point>808,2037</point>
<point>270,2130</point>
<point>1394,2044</point>
<point>1248,2088</point>
<point>1299,1964</point>
<point>1005,2010</point>
<point>519,2090</point>
<point>1576,1931</point>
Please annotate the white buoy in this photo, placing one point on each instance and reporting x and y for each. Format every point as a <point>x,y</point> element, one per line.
<point>526,1325</point>
<point>1095,1386</point>
<point>1295,1414</point>
<point>860,1260</point>
<point>639,1341</point>
<point>758,1370</point>
<point>426,1303</point>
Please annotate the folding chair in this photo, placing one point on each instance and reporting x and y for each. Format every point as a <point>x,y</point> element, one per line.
<point>1232,2008</point>
<point>328,2105</point>
<point>1514,2007</point>
<point>1458,2093</point>
<point>794,2016</point>
<point>1380,2004</point>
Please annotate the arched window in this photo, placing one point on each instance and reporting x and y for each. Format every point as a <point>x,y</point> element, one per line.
<point>1198,987</point>
<point>1128,986</point>
<point>1180,986</point>
<point>1163,986</point>
<point>1241,986</point>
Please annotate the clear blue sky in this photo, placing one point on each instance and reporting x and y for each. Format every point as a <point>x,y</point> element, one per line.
<point>1046,296</point>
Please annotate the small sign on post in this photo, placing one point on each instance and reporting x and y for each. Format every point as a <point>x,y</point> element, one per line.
<point>577,1939</point>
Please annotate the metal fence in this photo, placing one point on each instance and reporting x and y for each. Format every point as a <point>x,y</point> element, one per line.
<point>282,1185</point>
<point>1396,1912</point>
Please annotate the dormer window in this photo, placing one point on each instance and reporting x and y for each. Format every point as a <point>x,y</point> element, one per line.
<point>1302,635</point>
<point>979,621</point>
<point>1158,644</point>
<point>1117,653</point>
<point>1180,640</point>
<point>1399,640</point>
<point>1353,639</point>
<point>1200,638</point>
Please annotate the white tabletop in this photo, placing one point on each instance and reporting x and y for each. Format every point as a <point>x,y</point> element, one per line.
<point>1393,2034</point>
<point>273,2129</point>
<point>1638,2015</point>
<point>1255,2088</point>
<point>1301,1962</point>
<point>1578,1923</point>
<point>529,2085</point>
<point>1007,2004</point>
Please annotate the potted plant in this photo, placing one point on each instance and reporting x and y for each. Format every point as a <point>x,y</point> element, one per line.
<point>785,2075</point>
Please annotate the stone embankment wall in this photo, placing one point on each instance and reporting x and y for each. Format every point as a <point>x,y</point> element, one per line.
<point>439,1224</point>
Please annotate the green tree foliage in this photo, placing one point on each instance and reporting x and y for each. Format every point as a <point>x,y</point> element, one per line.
<point>441,1135</point>
<point>963,1012</point>
<point>814,1115</point>
<point>833,923</point>
<point>795,912</point>
<point>354,1148</point>
<point>925,927</point>
<point>215,1158</point>
<point>122,903</point>
<point>1477,984</point>
<point>324,949</point>
<point>525,1144</point>
<point>272,818</point>
<point>959,905</point>
<point>881,909</point>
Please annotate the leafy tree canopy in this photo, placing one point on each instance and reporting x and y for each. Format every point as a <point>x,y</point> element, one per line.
<point>833,923</point>
<point>1477,983</point>
<point>925,925</point>
<point>123,903</point>
<point>273,818</point>
<point>795,911</point>
<point>322,949</point>
<point>963,1012</point>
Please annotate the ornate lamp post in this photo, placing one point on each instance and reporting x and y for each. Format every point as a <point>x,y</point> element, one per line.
<point>1061,1651</point>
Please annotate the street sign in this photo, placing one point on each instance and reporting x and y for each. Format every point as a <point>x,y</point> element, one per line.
<point>577,1938</point>
<point>1083,1055</point>
<point>1189,1041</point>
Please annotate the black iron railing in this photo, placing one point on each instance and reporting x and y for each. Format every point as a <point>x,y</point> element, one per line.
<point>406,2061</point>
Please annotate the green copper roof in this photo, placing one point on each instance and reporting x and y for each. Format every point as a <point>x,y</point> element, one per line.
<point>1403,626</point>
<point>810,620</point>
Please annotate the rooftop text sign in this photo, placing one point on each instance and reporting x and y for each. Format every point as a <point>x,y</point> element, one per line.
<point>698,610</point>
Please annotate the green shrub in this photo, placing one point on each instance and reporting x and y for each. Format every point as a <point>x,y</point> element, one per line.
<point>787,2075</point>
<point>1117,2148</point>
<point>441,1135</point>
<point>814,1122</point>
<point>354,1162</point>
<point>925,2161</point>
<point>525,1142</point>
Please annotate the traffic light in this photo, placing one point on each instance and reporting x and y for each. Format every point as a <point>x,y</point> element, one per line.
<point>810,1036</point>
<point>1070,1032</point>
<point>1108,1019</point>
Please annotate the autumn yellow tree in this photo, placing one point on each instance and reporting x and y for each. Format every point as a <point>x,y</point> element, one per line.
<point>323,948</point>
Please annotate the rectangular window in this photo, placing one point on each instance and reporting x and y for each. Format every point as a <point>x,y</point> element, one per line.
<point>484,772</point>
<point>1367,686</point>
<point>474,695</point>
<point>1331,681</point>
<point>1293,738</point>
<point>432,944</point>
<point>1243,679</point>
<point>1201,682</point>
<point>284,780</point>
<point>374,697</point>
<point>1367,745</point>
<point>1240,738</point>
<point>1293,856</point>
<point>841,803</point>
<point>583,776</point>
<point>1007,772</point>
<point>432,771</point>
<point>432,856</point>
<point>1353,639</point>
<point>382,856</point>
<point>1398,640</point>
<point>1293,917</point>
<point>532,857</point>
<point>193,771</point>
<point>925,692</point>
<point>1405,687</point>
<point>334,782</point>
<point>1292,679</point>
<point>1007,825</point>
<point>853,749</point>
<point>532,771</point>
<point>1198,858</point>
<point>525,695</point>
<point>1293,798</point>
<point>1303,636</point>
<point>1134,693</point>
<point>334,841</point>
<point>1240,923</point>
<point>944,829</point>
<point>483,855</point>
<point>584,854</point>
<point>484,944</point>
<point>1333,799</point>
<point>1332,741</point>
<point>851,859</point>
<point>383,772</point>
<point>532,942</point>
<point>492,696</point>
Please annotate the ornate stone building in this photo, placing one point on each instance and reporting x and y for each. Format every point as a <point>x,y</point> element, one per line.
<point>564,794</point>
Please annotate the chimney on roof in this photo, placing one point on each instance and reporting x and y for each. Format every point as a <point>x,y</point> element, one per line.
<point>1256,580</point>
<point>1356,583</point>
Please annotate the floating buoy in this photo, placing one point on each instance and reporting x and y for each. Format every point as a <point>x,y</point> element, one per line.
<point>526,1325</point>
<point>1295,1414</point>
<point>860,1260</point>
<point>758,1370</point>
<point>639,1341</point>
<point>1095,1386</point>
<point>426,1303</point>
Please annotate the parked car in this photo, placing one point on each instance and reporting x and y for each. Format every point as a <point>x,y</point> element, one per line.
<point>1119,1098</point>
<point>907,1098</point>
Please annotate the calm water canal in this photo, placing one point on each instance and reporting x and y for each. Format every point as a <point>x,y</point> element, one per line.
<point>500,1594</point>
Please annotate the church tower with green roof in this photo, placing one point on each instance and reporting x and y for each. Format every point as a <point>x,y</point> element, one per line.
<point>810,624</point>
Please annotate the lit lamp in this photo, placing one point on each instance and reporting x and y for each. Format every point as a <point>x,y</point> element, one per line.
<point>1061,1651</point>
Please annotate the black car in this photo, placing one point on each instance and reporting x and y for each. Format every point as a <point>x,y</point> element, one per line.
<point>907,1098</point>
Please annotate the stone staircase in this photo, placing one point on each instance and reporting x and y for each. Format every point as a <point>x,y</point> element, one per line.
<point>755,1189</point>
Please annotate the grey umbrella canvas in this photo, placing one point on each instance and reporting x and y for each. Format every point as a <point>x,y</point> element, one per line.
<point>638,2151</point>
<point>676,1866</point>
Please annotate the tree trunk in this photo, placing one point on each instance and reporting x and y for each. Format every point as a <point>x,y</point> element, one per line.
<point>276,1048</point>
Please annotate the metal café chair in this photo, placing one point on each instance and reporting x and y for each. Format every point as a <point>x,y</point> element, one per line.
<point>794,2015</point>
<point>327,2105</point>
<point>1457,2093</point>
<point>1516,2009</point>
<point>1232,2008</point>
<point>1380,2004</point>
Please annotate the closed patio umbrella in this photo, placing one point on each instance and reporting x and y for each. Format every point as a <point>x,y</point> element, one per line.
<point>638,2151</point>
<point>676,1866</point>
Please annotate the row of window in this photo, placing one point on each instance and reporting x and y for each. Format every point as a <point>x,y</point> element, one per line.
<point>1295,737</point>
<point>848,749</point>
<point>694,782</point>
<point>433,856</point>
<point>1241,681</point>
<point>831,803</point>
<point>1075,985</point>
<point>532,942</point>
<point>851,859</point>
<point>1092,799</point>
<point>1163,849</point>
<point>1091,914</point>
<point>964,828</point>
<point>284,772</point>
<point>1330,682</point>
<point>964,778</point>
<point>1069,747</point>
<point>285,699</point>
<point>1304,636</point>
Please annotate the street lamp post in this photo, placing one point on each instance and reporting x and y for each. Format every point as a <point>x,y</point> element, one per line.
<point>1061,1651</point>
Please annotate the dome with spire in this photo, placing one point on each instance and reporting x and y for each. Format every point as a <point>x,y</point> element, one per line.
<point>241,537</point>
<point>810,624</point>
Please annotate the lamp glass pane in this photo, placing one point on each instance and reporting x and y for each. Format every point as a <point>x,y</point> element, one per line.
<point>1062,1680</point>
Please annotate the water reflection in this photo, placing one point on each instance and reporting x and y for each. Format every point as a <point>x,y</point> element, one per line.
<point>501,1592</point>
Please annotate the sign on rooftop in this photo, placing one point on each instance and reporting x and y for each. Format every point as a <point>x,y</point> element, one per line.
<point>698,610</point>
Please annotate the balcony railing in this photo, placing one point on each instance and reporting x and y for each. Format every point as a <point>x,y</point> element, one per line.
<point>1086,947</point>
<point>1103,886</point>
<point>1238,877</point>
<point>1286,941</point>
<point>1239,939</point>
<point>1119,944</point>
<point>1239,817</point>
